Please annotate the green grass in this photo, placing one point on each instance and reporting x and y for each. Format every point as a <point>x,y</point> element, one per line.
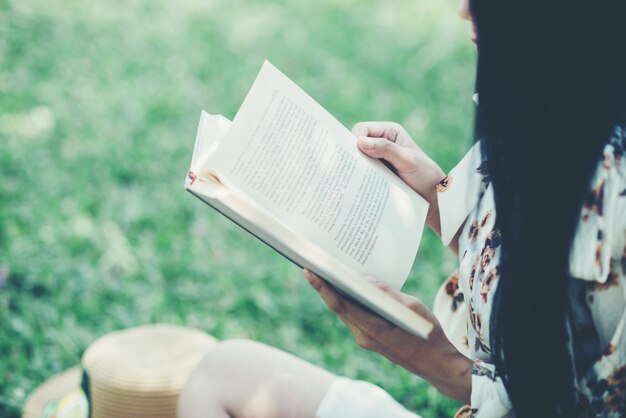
<point>99,103</point>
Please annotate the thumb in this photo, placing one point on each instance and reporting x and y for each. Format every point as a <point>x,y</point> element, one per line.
<point>401,158</point>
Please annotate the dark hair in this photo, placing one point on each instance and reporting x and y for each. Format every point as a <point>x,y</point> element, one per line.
<point>552,83</point>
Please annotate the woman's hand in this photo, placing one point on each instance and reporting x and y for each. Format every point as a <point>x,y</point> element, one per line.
<point>390,142</point>
<point>434,358</point>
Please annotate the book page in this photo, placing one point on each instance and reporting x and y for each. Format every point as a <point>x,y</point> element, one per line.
<point>211,131</point>
<point>290,156</point>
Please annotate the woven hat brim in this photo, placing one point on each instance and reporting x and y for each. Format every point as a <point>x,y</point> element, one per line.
<point>52,390</point>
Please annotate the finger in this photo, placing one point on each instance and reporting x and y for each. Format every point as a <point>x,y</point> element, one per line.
<point>353,314</point>
<point>401,158</point>
<point>387,130</point>
<point>331,297</point>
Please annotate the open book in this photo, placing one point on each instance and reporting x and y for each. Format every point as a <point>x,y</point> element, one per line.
<point>290,174</point>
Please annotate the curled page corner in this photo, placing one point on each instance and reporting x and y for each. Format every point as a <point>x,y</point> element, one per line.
<point>211,131</point>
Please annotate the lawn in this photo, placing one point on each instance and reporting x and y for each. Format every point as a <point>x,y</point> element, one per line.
<point>99,102</point>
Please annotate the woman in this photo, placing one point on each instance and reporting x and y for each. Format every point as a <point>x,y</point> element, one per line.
<point>534,320</point>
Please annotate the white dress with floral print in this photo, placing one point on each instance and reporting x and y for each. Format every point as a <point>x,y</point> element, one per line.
<point>597,288</point>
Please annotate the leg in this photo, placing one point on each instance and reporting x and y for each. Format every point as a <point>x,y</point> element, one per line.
<point>246,379</point>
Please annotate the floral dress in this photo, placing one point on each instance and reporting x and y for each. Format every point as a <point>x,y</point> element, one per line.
<point>597,290</point>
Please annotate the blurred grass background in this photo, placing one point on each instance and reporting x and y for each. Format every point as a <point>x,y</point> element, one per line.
<point>99,102</point>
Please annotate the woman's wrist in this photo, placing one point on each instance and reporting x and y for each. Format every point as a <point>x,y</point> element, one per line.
<point>432,217</point>
<point>457,381</point>
<point>449,370</point>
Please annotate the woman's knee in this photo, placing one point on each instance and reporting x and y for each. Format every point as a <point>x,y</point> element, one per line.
<point>223,359</point>
<point>237,373</point>
<point>210,384</point>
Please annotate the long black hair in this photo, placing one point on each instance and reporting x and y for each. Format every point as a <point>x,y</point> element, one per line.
<point>551,80</point>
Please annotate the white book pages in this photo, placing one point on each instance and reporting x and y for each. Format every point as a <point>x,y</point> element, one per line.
<point>293,158</point>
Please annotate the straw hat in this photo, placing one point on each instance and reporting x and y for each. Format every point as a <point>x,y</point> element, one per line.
<point>138,372</point>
